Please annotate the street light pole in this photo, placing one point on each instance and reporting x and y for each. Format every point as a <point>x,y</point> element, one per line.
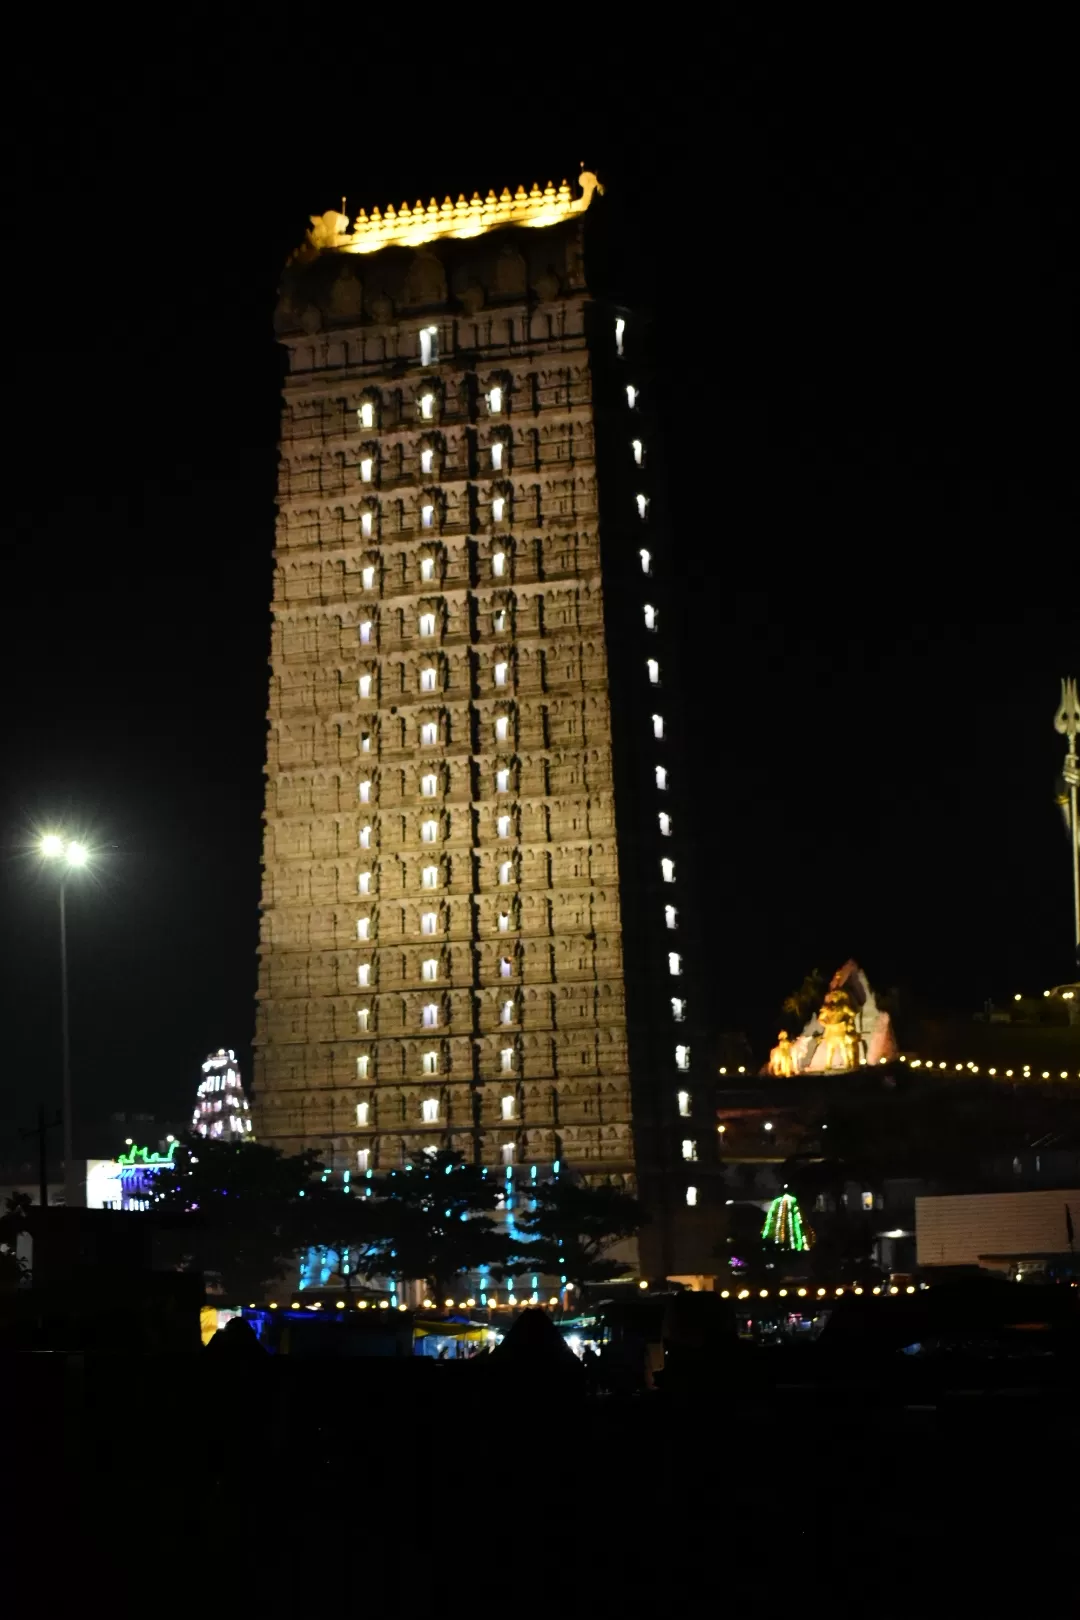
<point>70,1188</point>
<point>73,855</point>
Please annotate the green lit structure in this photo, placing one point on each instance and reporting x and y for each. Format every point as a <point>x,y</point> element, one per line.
<point>783,1224</point>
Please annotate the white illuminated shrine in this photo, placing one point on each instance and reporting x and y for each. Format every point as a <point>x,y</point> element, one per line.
<point>221,1109</point>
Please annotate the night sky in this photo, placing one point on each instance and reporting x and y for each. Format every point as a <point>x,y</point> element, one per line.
<point>858,251</point>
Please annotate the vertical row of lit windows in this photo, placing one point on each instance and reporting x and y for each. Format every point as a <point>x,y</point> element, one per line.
<point>667,865</point>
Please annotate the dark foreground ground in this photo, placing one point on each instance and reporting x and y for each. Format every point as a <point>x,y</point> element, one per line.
<point>444,1488</point>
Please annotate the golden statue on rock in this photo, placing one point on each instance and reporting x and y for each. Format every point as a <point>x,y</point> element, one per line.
<point>781,1058</point>
<point>837,1020</point>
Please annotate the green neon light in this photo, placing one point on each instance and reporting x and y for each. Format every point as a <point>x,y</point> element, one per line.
<point>143,1156</point>
<point>783,1224</point>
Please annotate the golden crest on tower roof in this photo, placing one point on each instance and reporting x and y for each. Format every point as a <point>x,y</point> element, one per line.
<point>409,227</point>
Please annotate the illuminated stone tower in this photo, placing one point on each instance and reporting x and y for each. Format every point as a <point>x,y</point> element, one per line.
<point>475,913</point>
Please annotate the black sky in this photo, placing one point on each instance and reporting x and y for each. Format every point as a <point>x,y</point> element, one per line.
<point>860,256</point>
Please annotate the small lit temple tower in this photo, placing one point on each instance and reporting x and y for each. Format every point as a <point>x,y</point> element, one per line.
<point>477,916</point>
<point>221,1109</point>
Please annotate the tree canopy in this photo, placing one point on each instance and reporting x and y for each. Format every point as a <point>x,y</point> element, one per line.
<point>573,1226</point>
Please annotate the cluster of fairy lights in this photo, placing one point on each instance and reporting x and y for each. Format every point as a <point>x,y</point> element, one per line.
<point>813,1294</point>
<point>783,1224</point>
<point>1025,1071</point>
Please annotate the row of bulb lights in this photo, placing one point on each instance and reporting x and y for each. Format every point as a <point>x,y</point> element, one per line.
<point>534,1299</point>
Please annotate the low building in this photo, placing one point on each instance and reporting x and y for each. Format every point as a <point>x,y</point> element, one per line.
<point>1012,1232</point>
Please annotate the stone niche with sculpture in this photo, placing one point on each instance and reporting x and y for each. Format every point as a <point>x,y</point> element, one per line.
<point>848,1031</point>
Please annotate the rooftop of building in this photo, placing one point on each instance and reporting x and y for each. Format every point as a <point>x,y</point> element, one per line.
<point>411,227</point>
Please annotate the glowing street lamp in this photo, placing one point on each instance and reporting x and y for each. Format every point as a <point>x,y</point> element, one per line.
<point>70,855</point>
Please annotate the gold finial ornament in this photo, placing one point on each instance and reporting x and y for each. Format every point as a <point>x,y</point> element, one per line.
<point>409,227</point>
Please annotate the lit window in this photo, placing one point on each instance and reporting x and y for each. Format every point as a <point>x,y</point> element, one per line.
<point>867,1200</point>
<point>501,671</point>
<point>678,1009</point>
<point>366,625</point>
<point>429,969</point>
<point>650,616</point>
<point>427,518</point>
<point>497,448</point>
<point>506,1059</point>
<point>620,328</point>
<point>631,396</point>
<point>502,826</point>
<point>504,922</point>
<point>427,679</point>
<point>671,917</point>
<point>363,1017</point>
<point>365,742</point>
<point>502,728</point>
<point>642,506</point>
<point>646,560</point>
<point>429,345</point>
<point>431,877</point>
<point>429,831</point>
<point>428,922</point>
<point>430,1014</point>
<point>639,450</point>
<point>427,564</point>
<point>427,406</point>
<point>427,460</point>
<point>367,523</point>
<point>506,872</point>
<point>498,620</point>
<point>498,564</point>
<point>365,838</point>
<point>430,1110</point>
<point>365,686</point>
<point>367,577</point>
<point>668,868</point>
<point>689,1149</point>
<point>495,401</point>
<point>658,727</point>
<point>363,928</point>
<point>682,1057</point>
<point>365,792</point>
<point>429,733</point>
<point>363,1160</point>
<point>429,785</point>
<point>508,1153</point>
<point>427,624</point>
<point>367,414</point>
<point>502,781</point>
<point>684,1103</point>
<point>506,1013</point>
<point>363,974</point>
<point>654,671</point>
<point>661,778</point>
<point>430,1062</point>
<point>674,963</point>
<point>505,967</point>
<point>509,1107</point>
<point>665,824</point>
<point>691,1196</point>
<point>498,507</point>
<point>363,1109</point>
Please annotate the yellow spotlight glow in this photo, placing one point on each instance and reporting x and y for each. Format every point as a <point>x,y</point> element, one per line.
<point>821,1293</point>
<point>876,1290</point>
<point>839,1291</point>
<point>910,1289</point>
<point>858,1290</point>
<point>764,1293</point>
<point>643,1283</point>
<point>782,1294</point>
<point>51,845</point>
<point>77,854</point>
<point>802,1293</point>
<point>894,1289</point>
<point>744,1293</point>
<point>725,1293</point>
